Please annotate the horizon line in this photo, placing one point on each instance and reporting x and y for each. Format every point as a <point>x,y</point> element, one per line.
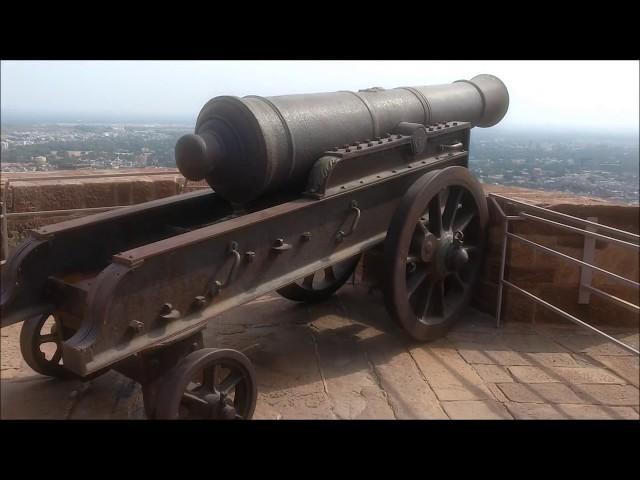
<point>11,118</point>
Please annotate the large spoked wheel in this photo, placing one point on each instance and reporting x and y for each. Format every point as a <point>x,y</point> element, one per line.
<point>41,340</point>
<point>208,384</point>
<point>322,284</point>
<point>433,251</point>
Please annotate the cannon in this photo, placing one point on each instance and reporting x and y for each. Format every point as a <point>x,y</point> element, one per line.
<point>247,147</point>
<point>301,187</point>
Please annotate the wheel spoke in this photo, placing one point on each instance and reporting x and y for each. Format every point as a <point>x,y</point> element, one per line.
<point>471,249</point>
<point>49,338</point>
<point>412,259</point>
<point>458,279</point>
<point>415,280</point>
<point>230,382</point>
<point>451,207</point>
<point>329,274</point>
<point>308,281</point>
<point>435,216</point>
<point>438,298</point>
<point>56,356</point>
<point>209,377</point>
<point>463,221</point>
<point>427,300</point>
<point>195,404</point>
<point>422,228</point>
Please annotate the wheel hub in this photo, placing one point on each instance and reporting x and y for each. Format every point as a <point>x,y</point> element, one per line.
<point>449,253</point>
<point>219,406</point>
<point>424,245</point>
<point>457,256</point>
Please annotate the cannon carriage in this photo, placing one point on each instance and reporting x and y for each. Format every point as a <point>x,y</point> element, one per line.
<point>302,186</point>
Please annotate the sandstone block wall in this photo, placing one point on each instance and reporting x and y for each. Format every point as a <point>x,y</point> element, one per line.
<point>554,279</point>
<point>37,192</point>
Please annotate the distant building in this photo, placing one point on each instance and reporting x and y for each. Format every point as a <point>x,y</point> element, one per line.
<point>536,173</point>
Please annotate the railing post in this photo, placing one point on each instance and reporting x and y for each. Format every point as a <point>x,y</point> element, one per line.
<point>4,231</point>
<point>503,259</point>
<point>586,274</point>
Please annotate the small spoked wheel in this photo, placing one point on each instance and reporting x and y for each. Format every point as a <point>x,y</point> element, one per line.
<point>41,340</point>
<point>321,284</point>
<point>208,384</point>
<point>433,251</point>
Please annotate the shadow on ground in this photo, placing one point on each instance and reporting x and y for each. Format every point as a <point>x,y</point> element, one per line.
<point>344,358</point>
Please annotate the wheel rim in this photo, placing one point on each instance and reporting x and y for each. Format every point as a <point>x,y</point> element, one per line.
<point>38,332</point>
<point>433,251</point>
<point>321,283</point>
<point>209,384</point>
<point>329,277</point>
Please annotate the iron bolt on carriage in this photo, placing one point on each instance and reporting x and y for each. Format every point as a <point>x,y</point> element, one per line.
<point>302,185</point>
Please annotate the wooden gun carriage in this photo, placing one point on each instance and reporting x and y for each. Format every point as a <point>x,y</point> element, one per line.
<point>302,185</point>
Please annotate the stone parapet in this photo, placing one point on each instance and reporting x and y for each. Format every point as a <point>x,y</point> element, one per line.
<point>551,278</point>
<point>79,189</point>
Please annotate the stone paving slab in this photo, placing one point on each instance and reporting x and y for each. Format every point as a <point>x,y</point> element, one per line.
<point>625,367</point>
<point>476,410</point>
<point>540,393</point>
<point>539,411</point>
<point>345,359</point>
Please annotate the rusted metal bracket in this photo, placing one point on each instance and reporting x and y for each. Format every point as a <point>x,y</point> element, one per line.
<point>218,285</point>
<point>354,208</point>
<point>337,168</point>
<point>167,312</point>
<point>410,146</point>
<point>280,246</point>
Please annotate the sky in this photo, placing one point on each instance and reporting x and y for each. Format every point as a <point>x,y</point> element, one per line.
<point>592,95</point>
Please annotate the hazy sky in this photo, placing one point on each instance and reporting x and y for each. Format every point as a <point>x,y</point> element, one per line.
<point>577,94</point>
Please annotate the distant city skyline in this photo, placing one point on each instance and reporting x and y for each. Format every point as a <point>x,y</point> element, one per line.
<point>598,96</point>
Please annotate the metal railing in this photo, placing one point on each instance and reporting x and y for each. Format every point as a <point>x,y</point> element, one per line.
<point>534,213</point>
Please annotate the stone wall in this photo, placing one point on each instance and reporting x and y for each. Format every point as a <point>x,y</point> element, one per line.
<point>554,279</point>
<point>42,191</point>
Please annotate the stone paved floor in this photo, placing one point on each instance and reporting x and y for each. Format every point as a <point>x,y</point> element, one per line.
<point>344,359</point>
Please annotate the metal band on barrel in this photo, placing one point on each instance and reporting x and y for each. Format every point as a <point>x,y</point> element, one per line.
<point>292,147</point>
<point>423,100</point>
<point>484,101</point>
<point>374,119</point>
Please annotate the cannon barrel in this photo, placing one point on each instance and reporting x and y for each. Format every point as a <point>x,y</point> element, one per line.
<point>245,147</point>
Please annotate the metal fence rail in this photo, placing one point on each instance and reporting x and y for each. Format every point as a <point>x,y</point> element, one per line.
<point>570,223</point>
